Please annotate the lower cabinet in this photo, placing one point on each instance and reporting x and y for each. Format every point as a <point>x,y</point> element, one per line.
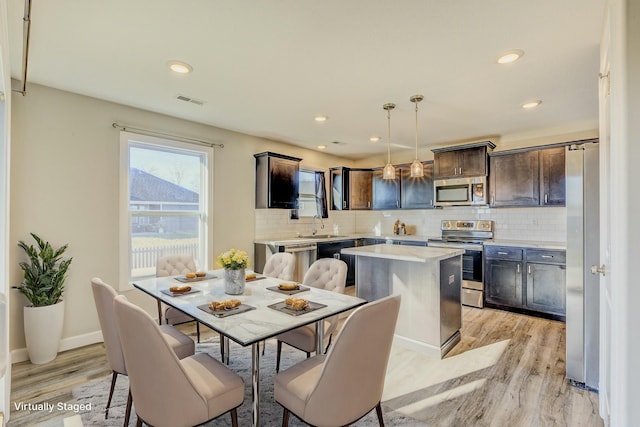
<point>546,288</point>
<point>505,278</point>
<point>526,280</point>
<point>332,250</point>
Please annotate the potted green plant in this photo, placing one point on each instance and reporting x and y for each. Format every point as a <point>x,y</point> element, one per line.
<point>44,276</point>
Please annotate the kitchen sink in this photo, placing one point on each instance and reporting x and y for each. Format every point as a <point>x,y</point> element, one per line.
<point>318,236</point>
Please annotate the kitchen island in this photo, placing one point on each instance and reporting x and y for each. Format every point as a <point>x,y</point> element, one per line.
<point>429,280</point>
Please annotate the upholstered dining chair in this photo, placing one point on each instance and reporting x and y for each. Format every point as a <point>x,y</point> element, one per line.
<point>168,391</point>
<point>325,273</point>
<point>280,265</point>
<point>103,294</point>
<point>344,385</point>
<point>174,265</point>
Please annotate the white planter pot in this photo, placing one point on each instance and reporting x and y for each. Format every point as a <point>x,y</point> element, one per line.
<point>42,331</point>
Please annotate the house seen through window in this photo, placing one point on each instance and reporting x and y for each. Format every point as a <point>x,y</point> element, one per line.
<point>167,202</point>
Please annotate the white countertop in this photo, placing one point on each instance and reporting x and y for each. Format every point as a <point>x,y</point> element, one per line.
<point>403,253</point>
<point>288,240</point>
<point>562,246</point>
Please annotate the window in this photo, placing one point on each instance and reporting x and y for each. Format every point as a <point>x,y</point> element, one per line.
<point>164,202</point>
<point>312,199</point>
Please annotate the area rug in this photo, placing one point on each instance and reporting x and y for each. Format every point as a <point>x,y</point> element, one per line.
<point>96,393</point>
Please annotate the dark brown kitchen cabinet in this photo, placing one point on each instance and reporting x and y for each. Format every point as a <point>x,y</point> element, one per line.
<point>503,276</point>
<point>446,164</point>
<point>513,180</point>
<point>360,193</point>
<point>339,188</point>
<point>416,193</point>
<point>333,250</point>
<point>277,181</point>
<point>351,188</point>
<point>546,288</point>
<point>526,280</point>
<point>552,177</point>
<point>527,177</point>
<point>386,192</point>
<point>461,161</point>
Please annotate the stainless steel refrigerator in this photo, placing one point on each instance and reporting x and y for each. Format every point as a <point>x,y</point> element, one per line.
<point>583,246</point>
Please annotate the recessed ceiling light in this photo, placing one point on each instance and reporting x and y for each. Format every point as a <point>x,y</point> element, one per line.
<point>530,105</point>
<point>510,56</point>
<point>374,139</point>
<point>320,118</point>
<point>180,67</point>
<point>321,147</point>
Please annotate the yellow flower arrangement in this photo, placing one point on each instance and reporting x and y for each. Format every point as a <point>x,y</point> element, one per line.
<point>233,259</point>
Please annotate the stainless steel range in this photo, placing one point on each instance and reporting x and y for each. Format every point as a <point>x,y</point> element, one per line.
<point>468,235</point>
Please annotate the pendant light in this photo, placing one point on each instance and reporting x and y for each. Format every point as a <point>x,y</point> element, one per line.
<point>389,172</point>
<point>417,170</point>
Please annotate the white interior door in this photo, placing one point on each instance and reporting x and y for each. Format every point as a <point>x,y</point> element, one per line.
<point>605,224</point>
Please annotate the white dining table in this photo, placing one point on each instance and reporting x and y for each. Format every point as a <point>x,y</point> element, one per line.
<point>249,327</point>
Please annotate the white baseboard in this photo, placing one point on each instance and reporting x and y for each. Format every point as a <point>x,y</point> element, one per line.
<point>20,354</point>
<point>417,346</point>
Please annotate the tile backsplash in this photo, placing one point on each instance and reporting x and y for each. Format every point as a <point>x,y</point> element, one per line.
<point>534,224</point>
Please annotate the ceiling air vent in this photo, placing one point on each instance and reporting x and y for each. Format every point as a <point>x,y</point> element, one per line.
<point>188,99</point>
<point>338,143</point>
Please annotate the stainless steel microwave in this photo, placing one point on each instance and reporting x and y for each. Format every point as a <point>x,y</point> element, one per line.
<point>470,191</point>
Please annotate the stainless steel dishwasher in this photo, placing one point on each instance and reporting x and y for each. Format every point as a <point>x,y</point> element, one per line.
<point>305,253</point>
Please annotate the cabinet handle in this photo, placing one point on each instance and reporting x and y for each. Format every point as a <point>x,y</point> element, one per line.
<point>397,204</point>
<point>431,202</point>
<point>518,269</point>
<point>547,256</point>
<point>493,199</point>
<point>528,269</point>
<point>368,204</point>
<point>546,199</point>
<point>344,204</point>
<point>460,169</point>
<point>502,253</point>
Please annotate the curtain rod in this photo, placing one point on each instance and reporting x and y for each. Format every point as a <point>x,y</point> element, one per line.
<point>157,133</point>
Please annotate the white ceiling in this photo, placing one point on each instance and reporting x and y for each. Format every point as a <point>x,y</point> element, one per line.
<point>266,68</point>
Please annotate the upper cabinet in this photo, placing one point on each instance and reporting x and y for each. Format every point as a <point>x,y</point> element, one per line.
<point>386,192</point>
<point>277,181</point>
<point>528,177</point>
<point>467,160</point>
<point>339,188</point>
<point>416,193</point>
<point>360,194</point>
<point>364,189</point>
<point>552,177</point>
<point>351,188</point>
<point>514,180</point>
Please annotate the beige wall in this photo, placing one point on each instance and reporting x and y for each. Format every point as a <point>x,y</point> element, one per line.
<point>64,187</point>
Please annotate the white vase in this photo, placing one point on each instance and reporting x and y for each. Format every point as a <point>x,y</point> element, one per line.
<point>42,331</point>
<point>234,281</point>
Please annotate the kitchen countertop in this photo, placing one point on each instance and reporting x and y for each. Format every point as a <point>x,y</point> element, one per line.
<point>529,244</point>
<point>403,253</point>
<point>289,240</point>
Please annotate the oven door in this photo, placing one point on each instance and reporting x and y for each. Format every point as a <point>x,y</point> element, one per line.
<point>472,269</point>
<point>472,292</point>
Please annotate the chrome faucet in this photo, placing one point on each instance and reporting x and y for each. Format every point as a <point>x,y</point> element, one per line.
<point>314,229</point>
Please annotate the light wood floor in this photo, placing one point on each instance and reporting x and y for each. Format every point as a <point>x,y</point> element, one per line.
<point>508,370</point>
